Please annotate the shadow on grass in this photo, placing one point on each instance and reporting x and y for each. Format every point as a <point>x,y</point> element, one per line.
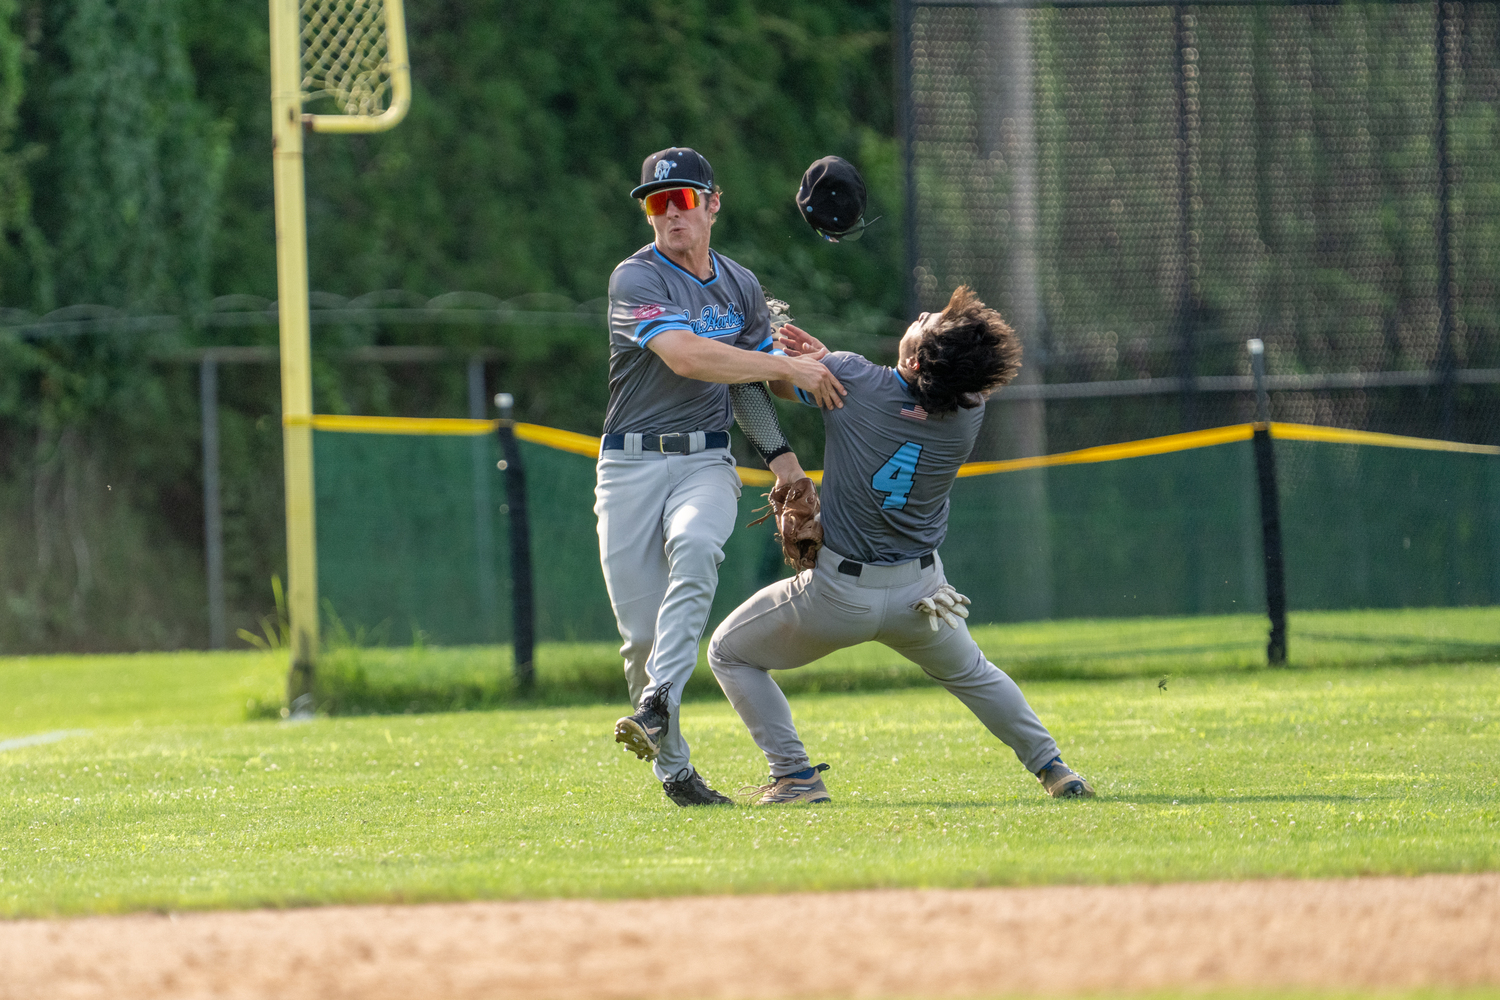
<point>872,803</point>
<point>1465,648</point>
<point>352,682</point>
<point>1208,800</point>
<point>1252,647</point>
<point>360,680</point>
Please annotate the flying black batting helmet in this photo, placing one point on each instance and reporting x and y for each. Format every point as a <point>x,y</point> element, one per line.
<point>832,199</point>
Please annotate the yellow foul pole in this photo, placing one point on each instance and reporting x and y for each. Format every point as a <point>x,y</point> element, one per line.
<point>296,374</point>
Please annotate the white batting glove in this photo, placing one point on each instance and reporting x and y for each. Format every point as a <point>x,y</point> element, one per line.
<point>947,604</point>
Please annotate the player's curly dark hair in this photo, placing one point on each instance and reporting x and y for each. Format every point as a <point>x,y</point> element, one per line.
<point>971,352</point>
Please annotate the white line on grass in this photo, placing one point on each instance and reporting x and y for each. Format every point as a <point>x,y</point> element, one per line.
<point>39,739</point>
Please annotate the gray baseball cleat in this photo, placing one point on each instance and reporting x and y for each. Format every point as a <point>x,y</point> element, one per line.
<point>1062,782</point>
<point>804,786</point>
<point>642,732</point>
<point>689,789</point>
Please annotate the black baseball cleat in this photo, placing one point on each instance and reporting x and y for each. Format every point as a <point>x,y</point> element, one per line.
<point>642,732</point>
<point>689,789</point>
<point>1062,782</point>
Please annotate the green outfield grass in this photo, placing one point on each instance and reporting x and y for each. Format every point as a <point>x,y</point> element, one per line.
<point>393,680</point>
<point>60,692</point>
<point>162,796</point>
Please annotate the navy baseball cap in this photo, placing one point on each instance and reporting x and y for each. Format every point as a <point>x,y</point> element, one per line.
<point>832,199</point>
<point>674,168</point>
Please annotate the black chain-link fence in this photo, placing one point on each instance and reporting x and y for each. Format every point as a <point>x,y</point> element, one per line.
<point>1142,188</point>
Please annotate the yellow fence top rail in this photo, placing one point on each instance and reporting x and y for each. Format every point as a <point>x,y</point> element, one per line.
<point>551,437</point>
<point>1114,452</point>
<point>1223,435</point>
<point>588,446</point>
<point>394,425</point>
<point>1337,435</point>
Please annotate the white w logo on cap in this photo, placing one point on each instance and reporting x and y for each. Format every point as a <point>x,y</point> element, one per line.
<point>663,168</point>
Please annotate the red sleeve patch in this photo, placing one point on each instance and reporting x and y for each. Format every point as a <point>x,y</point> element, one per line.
<point>644,313</point>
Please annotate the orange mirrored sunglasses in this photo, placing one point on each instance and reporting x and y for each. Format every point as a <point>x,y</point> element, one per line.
<point>683,198</point>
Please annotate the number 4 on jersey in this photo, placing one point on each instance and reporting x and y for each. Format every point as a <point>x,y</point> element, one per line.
<point>895,476</point>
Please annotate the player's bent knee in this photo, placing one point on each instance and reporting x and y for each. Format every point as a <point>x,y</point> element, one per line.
<point>636,650</point>
<point>718,658</point>
<point>722,660</point>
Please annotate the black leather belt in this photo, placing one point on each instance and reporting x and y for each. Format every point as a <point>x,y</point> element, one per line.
<point>851,568</point>
<point>669,444</point>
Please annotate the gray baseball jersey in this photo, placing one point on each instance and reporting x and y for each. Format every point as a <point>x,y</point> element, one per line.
<point>648,295</point>
<point>888,469</point>
<point>888,465</point>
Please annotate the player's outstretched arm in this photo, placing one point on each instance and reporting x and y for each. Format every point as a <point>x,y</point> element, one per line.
<point>797,342</point>
<point>756,415</point>
<point>692,356</point>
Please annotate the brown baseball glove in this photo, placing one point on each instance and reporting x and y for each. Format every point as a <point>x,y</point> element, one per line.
<point>795,508</point>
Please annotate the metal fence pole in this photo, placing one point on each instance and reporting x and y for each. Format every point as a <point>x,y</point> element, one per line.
<point>1189,298</point>
<point>484,530</point>
<point>1447,289</point>
<point>907,127</point>
<point>1270,510</point>
<point>1189,197</point>
<point>292,311</point>
<point>213,514</point>
<point>523,635</point>
<point>1011,280</point>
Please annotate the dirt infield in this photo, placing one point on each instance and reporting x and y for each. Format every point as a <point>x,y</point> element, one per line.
<point>1387,933</point>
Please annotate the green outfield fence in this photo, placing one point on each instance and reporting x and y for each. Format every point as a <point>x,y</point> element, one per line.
<point>412,528</point>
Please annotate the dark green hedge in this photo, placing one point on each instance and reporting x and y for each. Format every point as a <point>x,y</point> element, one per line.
<point>135,173</point>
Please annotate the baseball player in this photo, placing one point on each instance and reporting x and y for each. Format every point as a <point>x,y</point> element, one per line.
<point>891,455</point>
<point>690,346</point>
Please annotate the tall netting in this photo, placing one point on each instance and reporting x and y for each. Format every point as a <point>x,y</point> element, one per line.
<point>1389,527</point>
<point>413,536</point>
<point>1180,534</point>
<point>407,530</point>
<point>1144,188</point>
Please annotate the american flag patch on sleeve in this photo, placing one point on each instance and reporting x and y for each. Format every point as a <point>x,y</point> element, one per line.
<point>913,411</point>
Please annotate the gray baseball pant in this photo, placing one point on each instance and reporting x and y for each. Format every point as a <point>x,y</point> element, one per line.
<point>663,521</point>
<point>798,620</point>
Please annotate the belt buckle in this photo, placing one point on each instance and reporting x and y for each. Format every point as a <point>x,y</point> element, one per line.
<point>675,444</point>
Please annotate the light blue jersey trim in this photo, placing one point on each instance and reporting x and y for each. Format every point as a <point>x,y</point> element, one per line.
<point>713,262</point>
<point>768,342</point>
<point>651,327</point>
<point>806,398</point>
<point>901,380</point>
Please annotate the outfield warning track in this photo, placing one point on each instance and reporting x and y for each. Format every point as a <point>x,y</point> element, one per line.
<point>1435,931</point>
